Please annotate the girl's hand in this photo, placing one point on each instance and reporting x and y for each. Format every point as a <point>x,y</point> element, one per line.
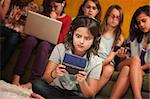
<point>23,35</point>
<point>35,96</point>
<point>18,14</point>
<point>106,62</point>
<point>60,70</point>
<point>53,15</point>
<point>15,14</point>
<point>81,76</point>
<point>122,52</point>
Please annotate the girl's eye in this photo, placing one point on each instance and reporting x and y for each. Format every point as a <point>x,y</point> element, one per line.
<point>88,7</point>
<point>55,6</point>
<point>94,8</point>
<point>87,38</point>
<point>143,21</point>
<point>78,36</point>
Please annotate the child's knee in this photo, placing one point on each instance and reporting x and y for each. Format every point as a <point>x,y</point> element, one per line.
<point>125,71</point>
<point>31,41</point>
<point>135,59</point>
<point>44,46</point>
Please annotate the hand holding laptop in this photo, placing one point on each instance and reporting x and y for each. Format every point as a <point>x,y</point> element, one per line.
<point>53,15</point>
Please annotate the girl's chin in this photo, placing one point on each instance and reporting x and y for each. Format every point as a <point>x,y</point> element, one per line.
<point>80,51</point>
<point>145,31</point>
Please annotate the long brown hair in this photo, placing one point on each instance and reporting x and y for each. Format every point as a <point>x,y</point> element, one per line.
<point>47,5</point>
<point>94,28</point>
<point>135,32</point>
<point>80,12</point>
<point>118,30</point>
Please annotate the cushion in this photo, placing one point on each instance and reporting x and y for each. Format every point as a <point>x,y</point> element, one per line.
<point>9,91</point>
<point>146,82</point>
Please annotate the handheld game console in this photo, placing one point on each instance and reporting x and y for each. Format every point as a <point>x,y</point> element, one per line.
<point>74,63</point>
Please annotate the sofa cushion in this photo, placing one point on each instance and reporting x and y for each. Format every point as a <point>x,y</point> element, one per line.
<point>146,82</point>
<point>9,91</point>
<point>115,75</point>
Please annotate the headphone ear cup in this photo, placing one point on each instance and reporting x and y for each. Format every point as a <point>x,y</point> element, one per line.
<point>63,4</point>
<point>70,33</point>
<point>71,29</point>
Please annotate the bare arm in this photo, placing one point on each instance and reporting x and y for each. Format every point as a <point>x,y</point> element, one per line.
<point>110,57</point>
<point>0,11</point>
<point>52,71</point>
<point>89,86</point>
<point>47,74</point>
<point>112,54</point>
<point>4,8</point>
<point>146,66</point>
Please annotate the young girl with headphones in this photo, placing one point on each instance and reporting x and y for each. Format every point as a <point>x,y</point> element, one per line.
<point>82,40</point>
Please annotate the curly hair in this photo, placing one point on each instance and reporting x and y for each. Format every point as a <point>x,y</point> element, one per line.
<point>94,28</point>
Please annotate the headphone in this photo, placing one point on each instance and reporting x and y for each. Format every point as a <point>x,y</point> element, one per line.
<point>63,4</point>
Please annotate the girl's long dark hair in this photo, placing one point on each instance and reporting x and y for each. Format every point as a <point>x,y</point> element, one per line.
<point>20,3</point>
<point>135,31</point>
<point>94,28</point>
<point>47,5</point>
<point>80,12</point>
<point>118,30</point>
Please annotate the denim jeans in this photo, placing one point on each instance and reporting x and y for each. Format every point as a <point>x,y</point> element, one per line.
<point>11,38</point>
<point>42,88</point>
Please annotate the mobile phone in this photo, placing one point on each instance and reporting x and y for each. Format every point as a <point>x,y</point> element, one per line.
<point>118,47</point>
<point>74,63</point>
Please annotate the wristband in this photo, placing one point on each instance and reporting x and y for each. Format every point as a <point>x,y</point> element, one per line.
<point>52,76</point>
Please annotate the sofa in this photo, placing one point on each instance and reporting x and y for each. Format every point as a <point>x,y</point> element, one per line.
<point>7,75</point>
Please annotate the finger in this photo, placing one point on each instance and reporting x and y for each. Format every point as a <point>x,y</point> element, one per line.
<point>61,66</point>
<point>122,50</point>
<point>83,73</point>
<point>34,95</point>
<point>119,51</point>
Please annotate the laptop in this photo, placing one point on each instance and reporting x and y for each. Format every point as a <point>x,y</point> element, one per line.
<point>42,27</point>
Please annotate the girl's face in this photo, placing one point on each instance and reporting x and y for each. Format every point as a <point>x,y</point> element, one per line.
<point>82,40</point>
<point>143,22</point>
<point>90,9</point>
<point>57,8</point>
<point>113,18</point>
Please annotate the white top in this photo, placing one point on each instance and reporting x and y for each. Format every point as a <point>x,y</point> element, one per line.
<point>105,47</point>
<point>136,49</point>
<point>68,81</point>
